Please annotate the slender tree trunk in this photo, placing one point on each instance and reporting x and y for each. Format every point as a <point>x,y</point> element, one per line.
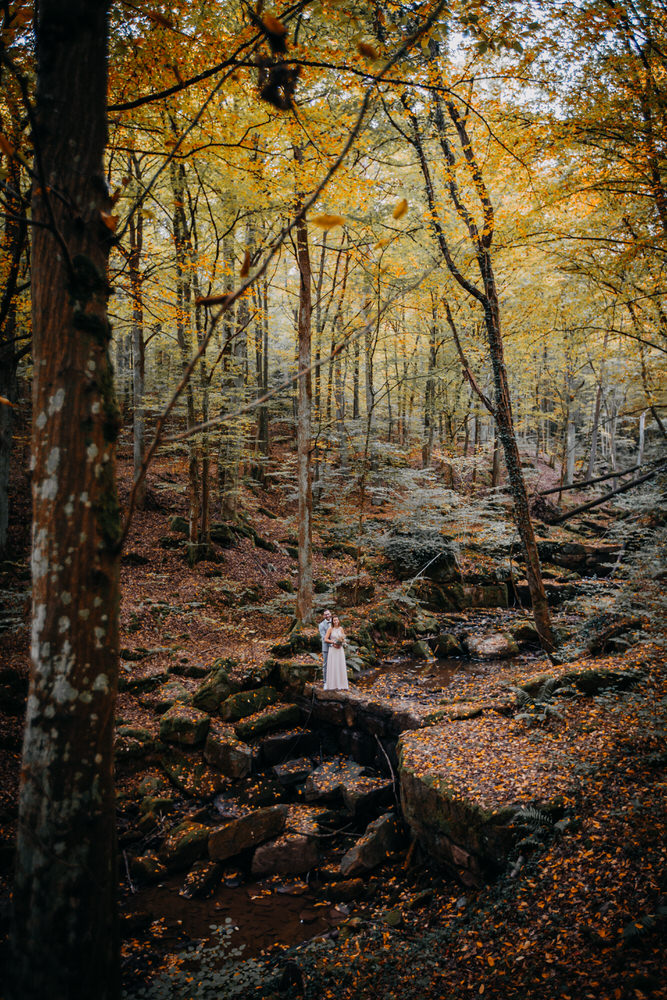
<point>487,297</point>
<point>642,437</point>
<point>65,933</point>
<point>136,233</point>
<point>184,337</point>
<point>304,599</point>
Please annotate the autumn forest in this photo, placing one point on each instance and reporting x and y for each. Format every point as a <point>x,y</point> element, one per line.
<point>333,425</point>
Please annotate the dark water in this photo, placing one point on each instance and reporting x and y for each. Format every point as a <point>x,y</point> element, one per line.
<point>429,674</point>
<point>263,913</point>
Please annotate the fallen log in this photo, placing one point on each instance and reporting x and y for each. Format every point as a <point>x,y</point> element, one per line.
<point>607,496</point>
<point>598,479</point>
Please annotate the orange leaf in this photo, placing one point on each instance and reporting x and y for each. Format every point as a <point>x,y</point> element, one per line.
<point>400,209</point>
<point>110,221</point>
<point>273,25</point>
<point>369,51</point>
<point>5,402</point>
<point>6,146</point>
<point>327,222</point>
<point>212,300</point>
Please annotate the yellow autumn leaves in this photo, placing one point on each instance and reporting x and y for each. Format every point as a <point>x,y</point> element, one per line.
<point>327,222</point>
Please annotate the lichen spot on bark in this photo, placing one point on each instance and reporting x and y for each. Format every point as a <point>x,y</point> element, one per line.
<point>41,421</point>
<point>39,563</point>
<point>56,402</point>
<point>92,451</point>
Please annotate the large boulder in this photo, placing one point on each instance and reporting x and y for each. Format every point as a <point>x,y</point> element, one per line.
<point>217,687</point>
<point>245,703</point>
<point>289,854</point>
<point>227,753</point>
<point>384,836</point>
<point>445,646</point>
<point>247,831</point>
<point>183,845</point>
<point>422,551</point>
<point>352,590</point>
<point>491,646</point>
<point>184,725</point>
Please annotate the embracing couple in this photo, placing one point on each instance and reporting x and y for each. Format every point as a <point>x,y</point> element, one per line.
<point>333,652</point>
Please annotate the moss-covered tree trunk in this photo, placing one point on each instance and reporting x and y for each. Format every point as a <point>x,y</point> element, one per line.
<point>65,930</point>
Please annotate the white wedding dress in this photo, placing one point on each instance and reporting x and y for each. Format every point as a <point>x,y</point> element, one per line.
<point>336,666</point>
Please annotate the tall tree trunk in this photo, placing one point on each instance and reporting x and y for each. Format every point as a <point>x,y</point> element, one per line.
<point>136,233</point>
<point>184,339</point>
<point>487,297</point>
<point>65,933</point>
<point>304,597</point>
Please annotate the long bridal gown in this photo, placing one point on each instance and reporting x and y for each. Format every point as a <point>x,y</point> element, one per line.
<point>336,666</point>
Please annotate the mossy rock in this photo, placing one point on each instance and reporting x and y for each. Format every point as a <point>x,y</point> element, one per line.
<point>184,725</point>
<point>227,753</point>
<point>136,682</point>
<point>421,650</point>
<point>170,542</point>
<point>278,716</point>
<point>147,868</point>
<point>165,696</point>
<point>245,703</point>
<point>134,747</point>
<point>185,844</point>
<point>222,534</point>
<point>445,646</point>
<point>525,632</point>
<point>218,687</point>
<point>179,525</point>
<point>192,777</point>
<point>294,675</point>
<point>156,804</point>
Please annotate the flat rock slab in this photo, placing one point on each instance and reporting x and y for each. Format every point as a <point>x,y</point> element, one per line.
<point>365,793</point>
<point>366,709</point>
<point>245,703</point>
<point>224,751</point>
<point>276,747</point>
<point>306,820</point>
<point>466,783</point>
<point>293,772</point>
<point>274,717</point>
<point>329,779</point>
<point>184,725</point>
<point>248,831</point>
<point>383,837</point>
<point>289,854</point>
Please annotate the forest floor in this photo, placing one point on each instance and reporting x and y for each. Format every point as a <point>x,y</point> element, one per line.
<point>580,911</point>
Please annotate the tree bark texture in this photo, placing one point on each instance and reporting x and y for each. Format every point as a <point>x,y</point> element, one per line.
<point>65,929</point>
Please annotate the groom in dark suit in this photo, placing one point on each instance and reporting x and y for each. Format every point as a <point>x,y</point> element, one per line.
<point>324,628</point>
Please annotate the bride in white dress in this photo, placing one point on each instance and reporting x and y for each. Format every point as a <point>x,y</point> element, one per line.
<point>336,666</point>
